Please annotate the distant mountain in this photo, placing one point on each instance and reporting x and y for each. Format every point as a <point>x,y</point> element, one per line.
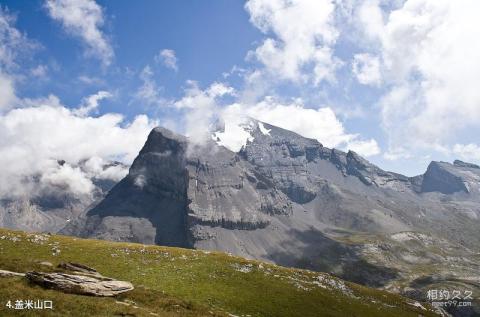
<point>49,206</point>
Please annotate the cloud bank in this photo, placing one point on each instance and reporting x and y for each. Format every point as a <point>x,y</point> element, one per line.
<point>429,60</point>
<point>35,138</point>
<point>300,38</point>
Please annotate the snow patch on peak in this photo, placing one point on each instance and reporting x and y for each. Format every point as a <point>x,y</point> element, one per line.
<point>235,135</point>
<point>264,130</point>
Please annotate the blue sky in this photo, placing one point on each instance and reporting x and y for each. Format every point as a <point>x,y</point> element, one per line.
<point>392,80</point>
<point>208,38</point>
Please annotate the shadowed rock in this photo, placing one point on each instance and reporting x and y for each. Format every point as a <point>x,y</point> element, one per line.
<point>82,269</point>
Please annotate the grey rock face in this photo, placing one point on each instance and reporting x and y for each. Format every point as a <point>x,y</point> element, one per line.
<point>148,205</point>
<point>173,186</point>
<point>465,164</point>
<point>283,198</point>
<point>448,179</point>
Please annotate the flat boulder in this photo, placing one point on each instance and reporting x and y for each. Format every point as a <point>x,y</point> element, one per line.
<point>5,273</point>
<point>79,284</point>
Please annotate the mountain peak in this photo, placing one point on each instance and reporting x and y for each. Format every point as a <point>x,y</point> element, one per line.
<point>447,178</point>
<point>162,140</point>
<point>465,164</point>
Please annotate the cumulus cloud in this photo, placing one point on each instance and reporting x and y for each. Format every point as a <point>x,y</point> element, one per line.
<point>320,123</point>
<point>149,91</point>
<point>364,147</point>
<point>366,68</point>
<point>167,58</point>
<point>71,179</point>
<point>90,103</point>
<point>429,58</point>
<point>200,108</point>
<point>7,92</point>
<point>13,44</point>
<point>101,168</point>
<point>469,151</point>
<point>35,137</point>
<point>84,19</point>
<point>40,71</point>
<point>203,108</point>
<point>12,41</point>
<point>300,37</point>
<point>90,80</point>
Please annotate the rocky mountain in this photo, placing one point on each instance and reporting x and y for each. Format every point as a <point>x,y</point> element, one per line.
<point>288,199</point>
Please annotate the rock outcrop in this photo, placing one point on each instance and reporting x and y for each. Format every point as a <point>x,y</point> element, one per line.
<point>446,178</point>
<point>79,284</point>
<point>5,273</point>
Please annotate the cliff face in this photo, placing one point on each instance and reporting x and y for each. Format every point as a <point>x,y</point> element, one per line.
<point>149,204</point>
<point>173,189</point>
<point>448,179</point>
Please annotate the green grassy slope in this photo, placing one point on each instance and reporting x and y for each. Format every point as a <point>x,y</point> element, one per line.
<point>181,282</point>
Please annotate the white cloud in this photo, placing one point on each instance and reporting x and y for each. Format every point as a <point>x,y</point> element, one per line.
<point>90,103</point>
<point>320,124</point>
<point>90,80</point>
<point>302,34</point>
<point>13,44</point>
<point>365,148</point>
<point>429,52</point>
<point>167,57</point>
<point>149,91</point>
<point>40,71</point>
<point>7,92</point>
<point>84,19</point>
<point>369,19</point>
<point>398,152</point>
<point>71,179</point>
<point>366,68</point>
<point>469,151</point>
<point>102,169</point>
<point>201,108</point>
<point>12,41</point>
<point>35,137</point>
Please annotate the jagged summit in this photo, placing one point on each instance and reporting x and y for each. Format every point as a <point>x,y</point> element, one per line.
<point>465,164</point>
<point>450,178</point>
